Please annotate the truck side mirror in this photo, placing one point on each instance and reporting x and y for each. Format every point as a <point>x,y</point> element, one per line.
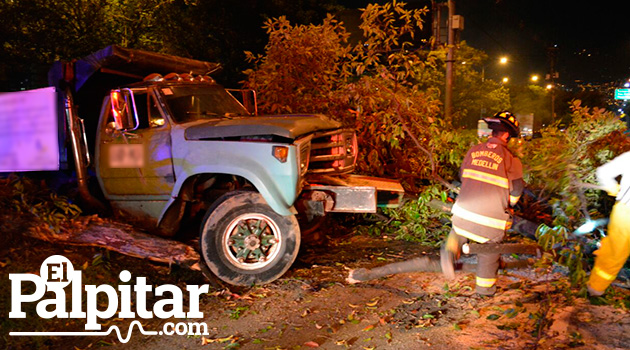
<point>247,97</point>
<point>124,109</point>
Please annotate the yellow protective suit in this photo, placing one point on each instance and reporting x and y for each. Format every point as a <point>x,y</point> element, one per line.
<point>615,248</point>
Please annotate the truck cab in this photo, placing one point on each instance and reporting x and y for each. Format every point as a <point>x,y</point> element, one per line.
<point>171,147</point>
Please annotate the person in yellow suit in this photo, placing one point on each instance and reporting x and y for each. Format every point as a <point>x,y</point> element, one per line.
<point>615,247</point>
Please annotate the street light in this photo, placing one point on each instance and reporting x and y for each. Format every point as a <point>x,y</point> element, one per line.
<point>535,78</point>
<point>505,80</point>
<point>503,60</point>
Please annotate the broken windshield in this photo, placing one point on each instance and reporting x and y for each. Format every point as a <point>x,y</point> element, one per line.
<point>190,103</point>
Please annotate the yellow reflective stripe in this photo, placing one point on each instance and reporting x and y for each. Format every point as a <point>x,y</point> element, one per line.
<point>603,274</point>
<point>478,218</point>
<point>485,177</point>
<point>469,235</point>
<point>486,282</point>
<point>514,200</point>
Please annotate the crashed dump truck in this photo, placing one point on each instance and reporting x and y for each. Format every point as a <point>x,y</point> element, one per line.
<point>168,146</point>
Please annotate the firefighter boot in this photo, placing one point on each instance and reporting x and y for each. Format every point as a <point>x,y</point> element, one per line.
<point>449,252</point>
<point>486,291</point>
<point>447,262</point>
<point>592,292</point>
<point>487,267</point>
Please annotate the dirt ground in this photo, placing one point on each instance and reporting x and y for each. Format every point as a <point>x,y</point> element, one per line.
<point>312,306</point>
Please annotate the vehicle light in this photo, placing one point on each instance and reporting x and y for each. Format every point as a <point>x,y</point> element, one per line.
<point>281,153</point>
<point>116,110</point>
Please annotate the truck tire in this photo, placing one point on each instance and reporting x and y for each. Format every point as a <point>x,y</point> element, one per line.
<point>244,242</point>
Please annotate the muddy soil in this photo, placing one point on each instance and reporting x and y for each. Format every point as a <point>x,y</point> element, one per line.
<point>312,306</point>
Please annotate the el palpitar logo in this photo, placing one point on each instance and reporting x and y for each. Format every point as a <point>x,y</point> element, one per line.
<point>57,274</point>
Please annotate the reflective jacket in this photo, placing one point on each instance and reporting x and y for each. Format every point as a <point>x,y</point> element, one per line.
<point>492,180</point>
<point>607,175</point>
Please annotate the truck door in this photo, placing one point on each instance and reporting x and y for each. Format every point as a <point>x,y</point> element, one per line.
<point>136,164</point>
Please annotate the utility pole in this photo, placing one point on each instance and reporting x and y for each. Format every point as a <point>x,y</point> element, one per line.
<point>552,53</point>
<point>435,26</point>
<point>440,23</point>
<point>450,58</point>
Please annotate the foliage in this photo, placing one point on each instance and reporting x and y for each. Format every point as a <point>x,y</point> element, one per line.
<point>43,31</point>
<point>386,87</point>
<point>450,148</point>
<point>473,96</point>
<point>594,97</point>
<point>302,66</point>
<point>23,196</point>
<point>556,164</point>
<point>421,220</point>
<point>369,87</point>
<point>565,249</point>
<point>137,23</point>
<point>532,99</point>
<point>236,313</point>
<point>556,168</point>
<point>220,31</point>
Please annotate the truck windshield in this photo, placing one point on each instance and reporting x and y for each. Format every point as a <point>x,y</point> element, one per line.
<point>190,103</point>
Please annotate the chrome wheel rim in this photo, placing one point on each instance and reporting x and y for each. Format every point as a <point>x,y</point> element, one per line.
<point>251,241</point>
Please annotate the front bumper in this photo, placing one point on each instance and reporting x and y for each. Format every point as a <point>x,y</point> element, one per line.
<point>349,194</point>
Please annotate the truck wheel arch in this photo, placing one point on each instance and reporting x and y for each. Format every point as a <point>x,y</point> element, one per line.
<point>184,190</point>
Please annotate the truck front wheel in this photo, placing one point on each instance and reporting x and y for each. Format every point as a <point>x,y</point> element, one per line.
<point>244,242</point>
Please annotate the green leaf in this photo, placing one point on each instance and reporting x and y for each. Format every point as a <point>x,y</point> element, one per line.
<point>511,313</point>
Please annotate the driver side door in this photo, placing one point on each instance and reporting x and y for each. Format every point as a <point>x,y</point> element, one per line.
<point>137,164</point>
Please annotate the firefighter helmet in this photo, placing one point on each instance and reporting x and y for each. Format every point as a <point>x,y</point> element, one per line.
<point>504,121</point>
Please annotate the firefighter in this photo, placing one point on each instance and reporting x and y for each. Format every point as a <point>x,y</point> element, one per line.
<point>615,247</point>
<point>492,182</point>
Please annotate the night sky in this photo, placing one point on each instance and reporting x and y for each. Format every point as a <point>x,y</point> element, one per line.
<point>593,41</point>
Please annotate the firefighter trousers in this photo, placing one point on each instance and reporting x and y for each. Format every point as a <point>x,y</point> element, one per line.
<point>487,263</point>
<point>614,249</point>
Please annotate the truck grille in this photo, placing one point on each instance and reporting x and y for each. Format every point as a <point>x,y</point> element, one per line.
<point>333,152</point>
<point>304,152</point>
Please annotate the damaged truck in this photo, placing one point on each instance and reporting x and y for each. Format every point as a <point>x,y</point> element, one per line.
<point>167,144</point>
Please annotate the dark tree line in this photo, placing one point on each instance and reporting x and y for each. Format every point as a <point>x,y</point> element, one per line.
<point>37,32</point>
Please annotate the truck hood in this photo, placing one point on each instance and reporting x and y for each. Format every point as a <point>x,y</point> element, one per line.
<point>288,126</point>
